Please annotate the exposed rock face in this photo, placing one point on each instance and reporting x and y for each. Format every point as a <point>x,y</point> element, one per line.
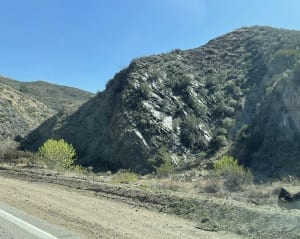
<point>273,141</point>
<point>190,102</point>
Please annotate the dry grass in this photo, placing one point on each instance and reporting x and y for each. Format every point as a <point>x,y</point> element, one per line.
<point>200,183</point>
<point>124,177</point>
<point>196,183</point>
<point>211,186</point>
<point>10,155</point>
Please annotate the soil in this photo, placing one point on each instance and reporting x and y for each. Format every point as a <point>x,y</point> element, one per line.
<point>99,209</point>
<point>94,216</point>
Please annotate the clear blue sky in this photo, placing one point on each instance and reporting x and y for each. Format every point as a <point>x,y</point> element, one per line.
<point>83,43</point>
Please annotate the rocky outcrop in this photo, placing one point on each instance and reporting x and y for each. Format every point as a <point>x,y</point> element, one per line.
<point>272,141</point>
<point>189,102</point>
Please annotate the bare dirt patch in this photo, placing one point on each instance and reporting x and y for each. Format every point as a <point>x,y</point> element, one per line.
<point>96,217</point>
<point>211,213</point>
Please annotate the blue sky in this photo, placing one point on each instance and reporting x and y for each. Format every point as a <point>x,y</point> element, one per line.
<point>83,43</point>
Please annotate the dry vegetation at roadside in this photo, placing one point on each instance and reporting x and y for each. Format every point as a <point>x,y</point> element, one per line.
<point>189,183</point>
<point>182,195</point>
<point>220,199</point>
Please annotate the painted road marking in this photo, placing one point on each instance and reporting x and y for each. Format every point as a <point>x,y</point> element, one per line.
<point>26,226</point>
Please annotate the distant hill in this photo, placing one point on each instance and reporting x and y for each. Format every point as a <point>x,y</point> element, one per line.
<point>239,93</point>
<point>54,96</point>
<point>25,105</point>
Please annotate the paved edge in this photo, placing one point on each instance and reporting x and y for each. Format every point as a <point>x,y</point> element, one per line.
<point>35,226</point>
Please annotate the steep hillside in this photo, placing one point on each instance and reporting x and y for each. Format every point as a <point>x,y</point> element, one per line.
<point>188,103</point>
<point>271,142</point>
<point>24,106</point>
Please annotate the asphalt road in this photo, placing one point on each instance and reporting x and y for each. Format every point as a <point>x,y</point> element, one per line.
<point>11,231</point>
<point>15,224</point>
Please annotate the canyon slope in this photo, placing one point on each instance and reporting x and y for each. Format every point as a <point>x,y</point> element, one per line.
<point>236,93</point>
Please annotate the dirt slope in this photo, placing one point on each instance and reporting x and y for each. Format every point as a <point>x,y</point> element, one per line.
<point>96,217</point>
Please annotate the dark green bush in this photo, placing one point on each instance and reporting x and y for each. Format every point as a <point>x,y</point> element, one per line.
<point>191,135</point>
<point>162,163</point>
<point>217,142</point>
<point>146,90</point>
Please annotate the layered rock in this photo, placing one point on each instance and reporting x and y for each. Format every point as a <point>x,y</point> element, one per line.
<point>190,102</point>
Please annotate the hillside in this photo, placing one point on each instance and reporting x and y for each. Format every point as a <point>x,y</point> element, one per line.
<point>54,96</point>
<point>25,105</point>
<point>237,92</point>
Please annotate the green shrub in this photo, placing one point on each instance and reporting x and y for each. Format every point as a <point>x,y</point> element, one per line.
<point>179,83</point>
<point>225,162</point>
<point>159,158</point>
<point>243,133</point>
<point>165,170</point>
<point>78,169</point>
<point>191,135</point>
<point>217,142</point>
<point>221,140</point>
<point>222,108</point>
<point>200,109</point>
<point>146,90</point>
<point>227,123</point>
<point>124,176</point>
<point>57,154</point>
<point>162,163</point>
<point>233,174</point>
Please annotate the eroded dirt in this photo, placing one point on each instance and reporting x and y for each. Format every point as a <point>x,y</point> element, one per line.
<point>97,217</point>
<point>99,209</point>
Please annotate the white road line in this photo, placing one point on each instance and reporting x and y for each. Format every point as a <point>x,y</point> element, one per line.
<point>26,226</point>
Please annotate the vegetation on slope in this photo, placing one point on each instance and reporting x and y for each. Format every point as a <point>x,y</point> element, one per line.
<point>25,105</point>
<point>194,103</point>
<point>19,113</point>
<point>54,96</point>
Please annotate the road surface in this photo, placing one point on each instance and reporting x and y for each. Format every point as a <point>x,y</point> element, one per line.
<point>11,231</point>
<point>15,224</point>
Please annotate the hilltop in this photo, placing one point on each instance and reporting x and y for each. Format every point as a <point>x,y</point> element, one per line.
<point>25,105</point>
<point>54,96</point>
<point>235,94</point>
